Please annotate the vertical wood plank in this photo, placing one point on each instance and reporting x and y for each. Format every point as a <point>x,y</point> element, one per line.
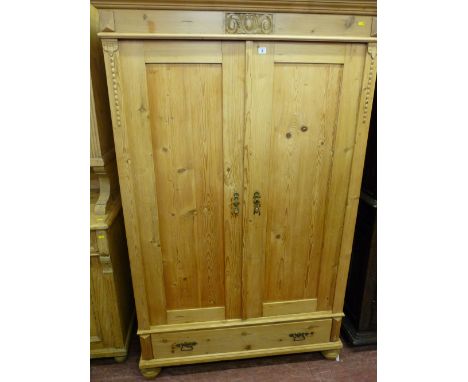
<point>140,156</point>
<point>367,96</point>
<point>125,169</point>
<point>233,141</point>
<point>335,330</point>
<point>340,175</point>
<point>146,347</point>
<point>258,119</point>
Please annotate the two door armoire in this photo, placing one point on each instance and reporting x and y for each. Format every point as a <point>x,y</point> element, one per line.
<point>240,132</point>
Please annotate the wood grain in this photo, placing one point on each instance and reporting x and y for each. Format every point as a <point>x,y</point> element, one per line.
<point>180,316</point>
<point>233,141</point>
<point>258,119</point>
<point>125,168</point>
<point>278,308</point>
<point>186,120</point>
<point>340,173</point>
<point>167,52</point>
<point>228,340</point>
<point>146,347</point>
<point>140,151</point>
<point>235,37</point>
<point>363,7</point>
<point>199,115</point>
<point>186,360</point>
<point>300,162</point>
<point>363,119</point>
<point>335,329</point>
<point>102,142</point>
<point>111,308</point>
<point>296,52</point>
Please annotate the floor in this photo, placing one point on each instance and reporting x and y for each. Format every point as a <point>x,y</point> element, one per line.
<point>355,365</point>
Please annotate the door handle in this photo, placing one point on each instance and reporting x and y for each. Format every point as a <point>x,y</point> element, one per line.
<point>235,204</point>
<point>256,202</point>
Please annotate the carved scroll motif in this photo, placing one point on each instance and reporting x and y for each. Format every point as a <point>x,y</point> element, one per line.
<point>249,23</point>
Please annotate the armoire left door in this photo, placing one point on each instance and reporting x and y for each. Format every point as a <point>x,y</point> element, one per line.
<point>182,126</point>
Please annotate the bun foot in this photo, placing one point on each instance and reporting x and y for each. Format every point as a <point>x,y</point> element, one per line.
<point>332,355</point>
<point>150,373</point>
<point>120,359</point>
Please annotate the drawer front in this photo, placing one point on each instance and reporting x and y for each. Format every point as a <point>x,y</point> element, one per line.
<point>212,341</point>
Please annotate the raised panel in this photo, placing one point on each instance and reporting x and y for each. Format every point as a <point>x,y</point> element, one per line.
<point>279,308</point>
<point>305,108</point>
<point>183,52</point>
<point>185,109</point>
<point>302,52</point>
<point>182,316</point>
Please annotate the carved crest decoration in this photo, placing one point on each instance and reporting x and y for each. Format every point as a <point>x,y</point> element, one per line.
<point>248,23</point>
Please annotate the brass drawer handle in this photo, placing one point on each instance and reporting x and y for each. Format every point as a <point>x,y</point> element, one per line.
<point>186,346</point>
<point>256,202</point>
<point>235,204</point>
<point>300,336</point>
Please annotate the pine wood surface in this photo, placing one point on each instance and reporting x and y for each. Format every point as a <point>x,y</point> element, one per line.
<point>355,365</point>
<point>188,158</point>
<point>102,142</point>
<point>196,122</point>
<point>358,7</point>
<point>102,153</point>
<point>111,310</point>
<point>200,25</point>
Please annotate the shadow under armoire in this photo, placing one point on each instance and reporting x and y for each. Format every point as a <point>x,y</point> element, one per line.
<point>240,132</point>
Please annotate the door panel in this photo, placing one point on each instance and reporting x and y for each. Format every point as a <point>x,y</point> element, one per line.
<point>186,124</point>
<point>306,116</point>
<point>177,115</point>
<point>305,103</point>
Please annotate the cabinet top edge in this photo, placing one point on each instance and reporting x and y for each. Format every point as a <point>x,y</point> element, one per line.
<point>246,37</point>
<point>347,7</point>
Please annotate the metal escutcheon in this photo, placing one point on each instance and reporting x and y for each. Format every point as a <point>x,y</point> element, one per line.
<point>256,202</point>
<point>235,204</point>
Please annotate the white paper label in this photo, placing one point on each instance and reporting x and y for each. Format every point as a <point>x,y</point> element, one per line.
<point>262,50</point>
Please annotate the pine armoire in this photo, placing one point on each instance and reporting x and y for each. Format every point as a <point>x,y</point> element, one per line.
<point>240,131</point>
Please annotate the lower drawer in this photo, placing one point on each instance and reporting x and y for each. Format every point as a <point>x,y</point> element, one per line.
<point>226,340</point>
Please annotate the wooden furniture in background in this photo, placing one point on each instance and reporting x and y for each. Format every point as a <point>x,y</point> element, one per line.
<point>240,139</point>
<point>112,307</point>
<point>360,323</point>
<point>102,151</point>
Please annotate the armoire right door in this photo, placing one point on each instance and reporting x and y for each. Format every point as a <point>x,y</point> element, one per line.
<point>301,105</point>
